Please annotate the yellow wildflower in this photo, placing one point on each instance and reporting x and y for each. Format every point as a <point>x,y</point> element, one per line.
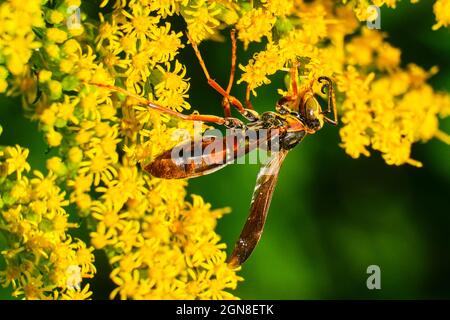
<point>52,50</point>
<point>56,17</point>
<point>441,10</point>
<point>44,76</point>
<point>140,24</point>
<point>264,63</point>
<point>56,165</point>
<point>77,294</point>
<point>279,7</point>
<point>54,138</point>
<point>99,166</point>
<point>254,25</point>
<point>39,223</point>
<point>56,35</point>
<point>201,19</point>
<point>16,160</point>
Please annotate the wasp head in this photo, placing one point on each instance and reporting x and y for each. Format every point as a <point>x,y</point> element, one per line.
<point>305,108</point>
<point>310,108</point>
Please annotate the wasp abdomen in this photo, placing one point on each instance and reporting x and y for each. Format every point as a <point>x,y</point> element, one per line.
<point>193,159</point>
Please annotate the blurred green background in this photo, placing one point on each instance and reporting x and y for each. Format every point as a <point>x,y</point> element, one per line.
<point>331,216</point>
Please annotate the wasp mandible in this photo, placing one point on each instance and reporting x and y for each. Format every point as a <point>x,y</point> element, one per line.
<point>295,116</point>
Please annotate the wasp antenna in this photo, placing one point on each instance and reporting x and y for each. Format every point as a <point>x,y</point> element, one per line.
<point>331,98</point>
<point>120,90</point>
<point>328,83</point>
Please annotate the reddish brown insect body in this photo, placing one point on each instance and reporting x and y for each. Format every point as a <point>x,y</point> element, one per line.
<point>295,117</point>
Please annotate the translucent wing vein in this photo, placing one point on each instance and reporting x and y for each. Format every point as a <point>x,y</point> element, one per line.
<point>262,196</point>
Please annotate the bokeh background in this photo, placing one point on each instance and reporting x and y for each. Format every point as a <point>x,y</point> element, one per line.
<point>331,216</point>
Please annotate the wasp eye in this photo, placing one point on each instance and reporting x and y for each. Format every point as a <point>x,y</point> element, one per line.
<point>311,108</point>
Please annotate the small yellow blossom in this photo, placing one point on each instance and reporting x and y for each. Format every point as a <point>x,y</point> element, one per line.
<point>55,88</point>
<point>201,19</point>
<point>56,165</point>
<point>56,17</point>
<point>54,138</point>
<point>75,155</point>
<point>254,25</point>
<point>66,65</point>
<point>56,35</point>
<point>16,160</point>
<point>45,75</point>
<point>52,50</point>
<point>77,294</point>
<point>279,7</point>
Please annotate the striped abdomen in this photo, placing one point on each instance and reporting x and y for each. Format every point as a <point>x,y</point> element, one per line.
<point>197,158</point>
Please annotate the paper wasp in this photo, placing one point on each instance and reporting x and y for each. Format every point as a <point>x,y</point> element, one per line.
<point>296,116</point>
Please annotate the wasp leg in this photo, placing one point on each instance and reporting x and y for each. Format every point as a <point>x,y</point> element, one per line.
<point>234,123</point>
<point>227,98</point>
<point>331,99</point>
<point>233,61</point>
<point>248,103</point>
<point>294,75</point>
<point>226,107</point>
<point>282,104</point>
<point>331,121</point>
<point>225,101</point>
<point>159,108</point>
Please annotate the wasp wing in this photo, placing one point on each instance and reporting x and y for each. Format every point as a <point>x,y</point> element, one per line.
<point>262,195</point>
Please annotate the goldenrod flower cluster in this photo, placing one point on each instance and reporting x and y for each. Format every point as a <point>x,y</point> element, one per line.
<point>161,243</point>
<point>43,260</point>
<point>383,106</point>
